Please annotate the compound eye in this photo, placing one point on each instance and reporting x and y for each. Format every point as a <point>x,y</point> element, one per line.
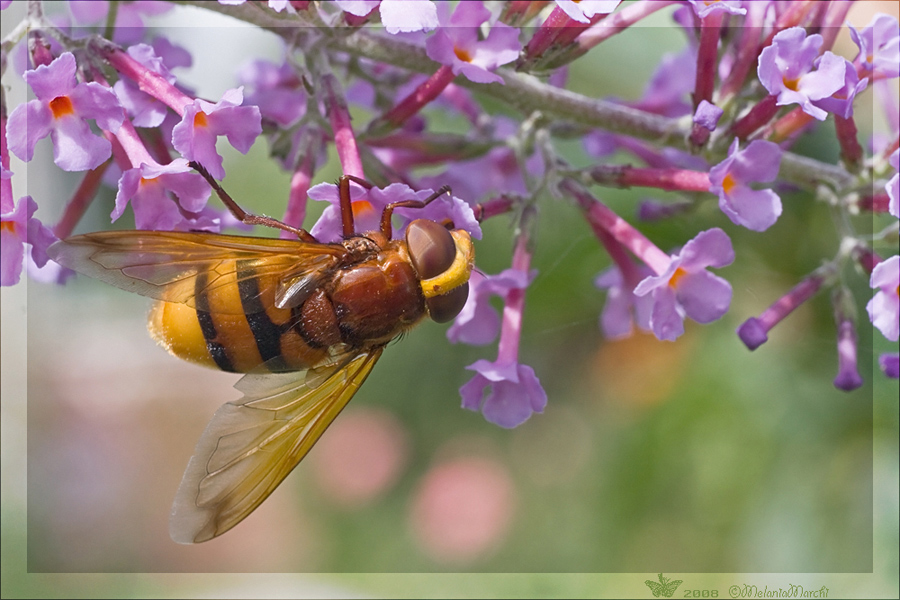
<point>431,248</point>
<point>445,308</point>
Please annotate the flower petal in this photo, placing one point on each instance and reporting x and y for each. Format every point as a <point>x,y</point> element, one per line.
<point>710,248</point>
<point>705,297</point>
<point>666,320</point>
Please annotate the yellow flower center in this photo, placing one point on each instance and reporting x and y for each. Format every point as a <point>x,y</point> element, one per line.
<point>362,207</point>
<point>791,84</point>
<point>728,183</point>
<point>462,54</point>
<point>61,107</point>
<point>200,119</point>
<point>676,276</point>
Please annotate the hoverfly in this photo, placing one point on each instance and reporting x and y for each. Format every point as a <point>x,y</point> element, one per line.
<point>306,321</point>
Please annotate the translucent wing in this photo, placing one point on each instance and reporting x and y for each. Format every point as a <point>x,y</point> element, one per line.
<point>251,445</point>
<point>165,264</point>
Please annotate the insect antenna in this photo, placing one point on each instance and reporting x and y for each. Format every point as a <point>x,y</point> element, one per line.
<point>242,215</point>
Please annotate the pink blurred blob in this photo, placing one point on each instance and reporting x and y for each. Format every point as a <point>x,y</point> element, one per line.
<point>462,509</point>
<point>360,457</point>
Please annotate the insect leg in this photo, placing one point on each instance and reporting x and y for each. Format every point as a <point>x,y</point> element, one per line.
<point>242,215</point>
<point>389,209</point>
<point>347,226</point>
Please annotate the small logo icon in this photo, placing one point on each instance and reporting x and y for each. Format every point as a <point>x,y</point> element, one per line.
<point>665,587</point>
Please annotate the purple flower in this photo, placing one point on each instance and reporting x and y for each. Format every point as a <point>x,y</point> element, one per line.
<point>583,10</point>
<point>276,5</point>
<point>884,307</point>
<point>366,216</point>
<point>446,208</point>
<point>51,273</point>
<point>890,364</point>
<point>478,323</point>
<point>666,92</point>
<point>754,209</point>
<point>879,46</point>
<point>841,102</point>
<point>687,289</point>
<point>6,194</point>
<point>144,109</point>
<point>171,54</point>
<point>60,111</point>
<point>650,210</point>
<point>497,172</point>
<point>505,391</point>
<point>459,46</point>
<point>148,187</point>
<point>369,204</point>
<point>754,332</point>
<point>129,27</point>
<point>396,15</point>
<point>848,377</point>
<point>276,90</point>
<point>407,16</point>
<point>705,7</point>
<point>18,227</point>
<point>786,70</point>
<point>893,186</point>
<point>359,8</point>
<point>195,135</point>
<point>623,309</point>
<point>708,115</point>
<point>514,392</point>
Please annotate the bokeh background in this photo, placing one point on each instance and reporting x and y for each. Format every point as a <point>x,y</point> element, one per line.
<point>696,458</point>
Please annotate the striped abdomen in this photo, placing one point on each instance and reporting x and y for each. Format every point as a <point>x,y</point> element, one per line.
<point>235,326</point>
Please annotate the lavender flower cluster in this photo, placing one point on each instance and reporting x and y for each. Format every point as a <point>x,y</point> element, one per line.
<point>717,120</point>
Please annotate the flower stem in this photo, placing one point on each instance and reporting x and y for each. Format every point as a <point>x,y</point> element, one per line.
<point>80,201</point>
<point>851,150</point>
<point>513,306</point>
<point>412,104</point>
<point>344,138</point>
<point>301,178</point>
<point>603,220</point>
<point>148,81</point>
<point>707,57</point>
<point>758,116</point>
<point>747,54</point>
<point>754,331</point>
<point>666,179</point>
<point>527,94</point>
<point>619,21</point>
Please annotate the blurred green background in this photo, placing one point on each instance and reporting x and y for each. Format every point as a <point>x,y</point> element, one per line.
<point>695,458</point>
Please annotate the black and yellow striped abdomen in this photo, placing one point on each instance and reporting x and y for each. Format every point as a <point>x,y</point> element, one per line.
<point>233,324</point>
